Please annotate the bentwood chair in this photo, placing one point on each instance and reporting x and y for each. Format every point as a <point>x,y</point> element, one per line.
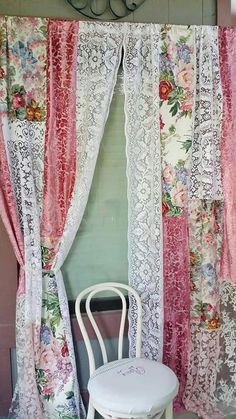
<point>129,387</point>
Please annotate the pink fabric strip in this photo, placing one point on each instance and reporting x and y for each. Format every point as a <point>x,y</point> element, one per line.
<point>60,142</point>
<point>176,299</point>
<point>228,150</point>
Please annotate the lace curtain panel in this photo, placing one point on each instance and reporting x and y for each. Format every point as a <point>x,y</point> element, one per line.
<point>57,79</point>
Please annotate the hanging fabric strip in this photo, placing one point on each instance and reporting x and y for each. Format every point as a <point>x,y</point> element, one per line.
<point>176,90</point>
<point>225,393</point>
<point>205,232</point>
<point>141,78</point>
<point>23,131</point>
<point>55,359</point>
<point>176,299</point>
<point>205,178</point>
<point>27,91</point>
<point>98,60</point>
<point>88,93</point>
<point>225,389</point>
<point>205,229</point>
<point>228,150</point>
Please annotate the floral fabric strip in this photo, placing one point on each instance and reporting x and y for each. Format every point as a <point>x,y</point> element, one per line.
<point>205,238</point>
<point>141,77</point>
<point>3,64</point>
<point>205,177</point>
<point>23,132</point>
<point>26,39</point>
<point>228,151</point>
<point>60,166</point>
<point>205,234</point>
<point>26,51</point>
<point>176,90</point>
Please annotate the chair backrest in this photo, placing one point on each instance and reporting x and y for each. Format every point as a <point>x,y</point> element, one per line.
<point>88,294</point>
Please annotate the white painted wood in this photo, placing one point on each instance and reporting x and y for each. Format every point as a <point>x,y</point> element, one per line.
<point>88,294</point>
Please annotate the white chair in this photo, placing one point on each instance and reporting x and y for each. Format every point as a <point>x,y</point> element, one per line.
<point>129,387</point>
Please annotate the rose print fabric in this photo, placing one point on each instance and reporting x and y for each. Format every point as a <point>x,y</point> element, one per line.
<point>176,91</point>
<point>205,234</point>
<point>205,219</point>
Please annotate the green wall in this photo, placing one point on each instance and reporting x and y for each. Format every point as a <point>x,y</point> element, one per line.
<point>157,11</point>
<point>99,252</point>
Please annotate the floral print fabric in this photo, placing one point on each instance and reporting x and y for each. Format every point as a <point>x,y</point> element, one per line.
<point>26,63</point>
<point>176,90</point>
<point>205,218</point>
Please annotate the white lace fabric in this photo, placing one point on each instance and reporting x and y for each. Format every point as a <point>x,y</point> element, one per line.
<point>141,79</point>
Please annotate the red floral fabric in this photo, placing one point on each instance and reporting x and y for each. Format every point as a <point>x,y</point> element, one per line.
<point>60,165</point>
<point>176,299</point>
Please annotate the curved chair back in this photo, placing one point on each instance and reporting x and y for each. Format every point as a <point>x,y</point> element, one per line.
<point>88,294</point>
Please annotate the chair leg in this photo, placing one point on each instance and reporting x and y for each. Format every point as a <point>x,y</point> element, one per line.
<point>169,411</point>
<point>91,412</point>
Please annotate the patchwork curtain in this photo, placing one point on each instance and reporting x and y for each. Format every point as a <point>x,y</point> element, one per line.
<point>179,134</point>
<point>56,83</point>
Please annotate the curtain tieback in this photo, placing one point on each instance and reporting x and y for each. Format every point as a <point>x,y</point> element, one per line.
<point>52,272</point>
<point>48,272</point>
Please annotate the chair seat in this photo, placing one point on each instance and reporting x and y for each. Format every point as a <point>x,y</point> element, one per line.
<point>133,386</point>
